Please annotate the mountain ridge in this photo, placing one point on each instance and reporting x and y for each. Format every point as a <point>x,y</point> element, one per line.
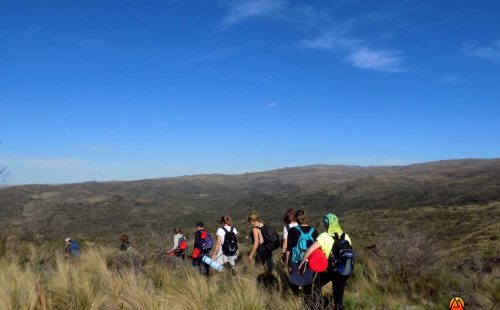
<point>102,208</point>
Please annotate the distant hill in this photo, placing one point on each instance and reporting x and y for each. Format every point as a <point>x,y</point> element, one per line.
<point>100,209</point>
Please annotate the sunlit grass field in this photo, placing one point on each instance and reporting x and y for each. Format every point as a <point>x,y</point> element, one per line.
<point>412,259</point>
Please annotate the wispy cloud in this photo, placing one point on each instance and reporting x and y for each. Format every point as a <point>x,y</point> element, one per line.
<point>330,41</point>
<point>489,52</point>
<point>32,30</point>
<point>447,79</point>
<point>97,148</point>
<point>272,104</point>
<point>356,51</point>
<point>336,35</point>
<point>63,163</point>
<point>378,60</point>
<point>372,161</point>
<point>205,57</point>
<point>240,10</point>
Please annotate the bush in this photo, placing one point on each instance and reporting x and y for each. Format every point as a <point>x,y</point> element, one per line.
<point>406,256</point>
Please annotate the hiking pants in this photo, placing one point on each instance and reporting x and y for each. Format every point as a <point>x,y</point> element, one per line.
<point>309,300</point>
<point>338,285</point>
<point>265,261</point>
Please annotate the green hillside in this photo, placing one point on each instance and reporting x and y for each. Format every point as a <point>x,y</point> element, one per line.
<point>104,209</point>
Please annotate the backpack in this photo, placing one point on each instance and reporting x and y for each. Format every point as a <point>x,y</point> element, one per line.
<point>304,242</point>
<point>182,246</point>
<point>208,241</point>
<point>74,248</point>
<point>342,256</point>
<point>230,245</point>
<point>271,238</point>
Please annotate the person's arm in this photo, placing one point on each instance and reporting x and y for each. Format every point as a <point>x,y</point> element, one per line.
<point>256,239</point>
<point>283,251</point>
<point>285,239</point>
<point>311,249</point>
<point>176,244</point>
<point>195,244</point>
<point>216,247</point>
<point>290,240</point>
<point>283,247</point>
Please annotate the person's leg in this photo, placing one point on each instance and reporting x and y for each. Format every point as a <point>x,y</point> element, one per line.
<point>205,269</point>
<point>309,300</point>
<point>231,261</point>
<point>270,264</point>
<point>295,288</point>
<point>338,284</point>
<point>321,280</point>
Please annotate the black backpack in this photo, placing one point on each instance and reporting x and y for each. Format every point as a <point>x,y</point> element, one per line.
<point>271,238</point>
<point>230,245</point>
<point>341,260</point>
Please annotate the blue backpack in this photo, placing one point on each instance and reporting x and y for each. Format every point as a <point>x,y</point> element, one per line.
<point>342,256</point>
<point>304,242</point>
<point>208,241</point>
<point>74,248</point>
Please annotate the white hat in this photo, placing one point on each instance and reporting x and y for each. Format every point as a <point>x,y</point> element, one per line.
<point>67,240</point>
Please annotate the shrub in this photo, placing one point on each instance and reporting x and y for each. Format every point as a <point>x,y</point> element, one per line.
<point>406,256</point>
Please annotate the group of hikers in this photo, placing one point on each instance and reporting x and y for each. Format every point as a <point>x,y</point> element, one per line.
<point>311,259</point>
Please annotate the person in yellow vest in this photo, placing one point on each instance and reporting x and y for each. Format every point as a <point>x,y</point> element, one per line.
<point>325,242</point>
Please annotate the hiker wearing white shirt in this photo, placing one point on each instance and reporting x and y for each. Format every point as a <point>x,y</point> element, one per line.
<point>289,219</point>
<point>226,244</point>
<point>178,237</point>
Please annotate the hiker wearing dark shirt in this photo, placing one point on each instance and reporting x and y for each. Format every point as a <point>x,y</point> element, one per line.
<point>125,245</point>
<point>300,238</point>
<point>202,246</point>
<point>262,255</point>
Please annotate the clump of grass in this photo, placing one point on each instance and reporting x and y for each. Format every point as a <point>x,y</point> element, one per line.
<point>19,289</point>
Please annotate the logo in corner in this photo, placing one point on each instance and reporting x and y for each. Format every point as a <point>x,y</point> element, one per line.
<point>456,303</point>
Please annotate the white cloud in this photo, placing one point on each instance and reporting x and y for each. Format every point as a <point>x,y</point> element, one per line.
<point>448,79</point>
<point>97,148</point>
<point>63,163</point>
<point>245,9</point>
<point>272,104</point>
<point>378,60</point>
<point>330,42</point>
<point>205,57</point>
<point>336,35</point>
<point>358,55</point>
<point>372,161</point>
<point>489,52</point>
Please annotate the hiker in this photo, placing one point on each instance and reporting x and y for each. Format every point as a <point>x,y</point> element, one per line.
<point>263,255</point>
<point>226,244</point>
<point>203,243</point>
<point>329,243</point>
<point>71,248</point>
<point>180,244</point>
<point>125,242</point>
<point>300,238</point>
<point>289,219</point>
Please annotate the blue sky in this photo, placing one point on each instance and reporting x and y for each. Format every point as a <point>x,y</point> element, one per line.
<point>120,90</point>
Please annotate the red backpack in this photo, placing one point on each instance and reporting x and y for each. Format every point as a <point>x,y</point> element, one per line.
<point>183,244</point>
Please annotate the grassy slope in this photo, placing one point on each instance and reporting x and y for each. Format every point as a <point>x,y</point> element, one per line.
<point>103,210</point>
<point>464,262</point>
<point>422,233</point>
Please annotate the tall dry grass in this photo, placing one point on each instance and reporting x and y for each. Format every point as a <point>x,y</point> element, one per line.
<point>106,279</point>
<point>88,282</point>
